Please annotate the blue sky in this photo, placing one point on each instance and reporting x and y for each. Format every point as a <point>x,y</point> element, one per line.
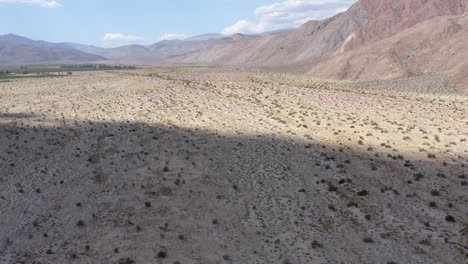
<point>120,22</point>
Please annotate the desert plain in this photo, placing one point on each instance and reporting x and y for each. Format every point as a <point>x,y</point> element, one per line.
<point>230,165</point>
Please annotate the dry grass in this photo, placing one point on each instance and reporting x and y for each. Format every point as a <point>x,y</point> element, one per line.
<point>212,165</point>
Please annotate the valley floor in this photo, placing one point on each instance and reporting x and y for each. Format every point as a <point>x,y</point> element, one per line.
<point>208,165</point>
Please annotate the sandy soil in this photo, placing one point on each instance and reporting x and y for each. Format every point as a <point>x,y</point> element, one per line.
<point>214,165</point>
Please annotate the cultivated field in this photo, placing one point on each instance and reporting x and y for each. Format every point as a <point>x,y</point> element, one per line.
<point>209,165</point>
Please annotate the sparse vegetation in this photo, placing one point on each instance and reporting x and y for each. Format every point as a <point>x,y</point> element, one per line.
<point>167,165</point>
<point>363,193</point>
<point>450,218</point>
<point>162,254</point>
<point>332,188</point>
<point>316,244</point>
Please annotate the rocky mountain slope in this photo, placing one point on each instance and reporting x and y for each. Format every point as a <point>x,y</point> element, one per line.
<point>388,17</point>
<point>365,22</point>
<point>431,46</point>
<point>374,39</point>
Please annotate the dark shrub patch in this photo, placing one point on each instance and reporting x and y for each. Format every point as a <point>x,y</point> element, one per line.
<point>162,254</point>
<point>363,193</point>
<point>450,218</point>
<point>316,244</point>
<point>332,188</point>
<point>80,223</point>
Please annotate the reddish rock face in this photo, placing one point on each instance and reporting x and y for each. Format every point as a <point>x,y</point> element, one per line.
<point>436,45</point>
<point>391,17</point>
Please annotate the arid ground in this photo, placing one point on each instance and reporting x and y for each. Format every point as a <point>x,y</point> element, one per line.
<point>210,165</point>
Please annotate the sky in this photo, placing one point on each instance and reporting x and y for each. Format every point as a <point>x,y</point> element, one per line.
<point>111,23</point>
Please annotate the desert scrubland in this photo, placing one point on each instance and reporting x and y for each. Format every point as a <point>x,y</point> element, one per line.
<point>210,165</point>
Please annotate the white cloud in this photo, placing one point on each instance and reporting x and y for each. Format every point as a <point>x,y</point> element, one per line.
<point>121,37</point>
<point>171,36</point>
<point>288,14</point>
<point>41,3</point>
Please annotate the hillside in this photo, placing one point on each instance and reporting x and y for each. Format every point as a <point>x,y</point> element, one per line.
<point>437,45</point>
<point>373,39</point>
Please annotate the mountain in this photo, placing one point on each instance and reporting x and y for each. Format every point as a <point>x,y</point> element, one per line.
<point>12,38</point>
<point>437,45</point>
<point>21,50</point>
<point>170,48</point>
<point>312,40</point>
<point>127,53</point>
<point>387,18</point>
<point>135,53</point>
<point>160,50</point>
<point>365,21</point>
<point>14,54</point>
<point>84,48</point>
<point>373,39</point>
<point>431,39</point>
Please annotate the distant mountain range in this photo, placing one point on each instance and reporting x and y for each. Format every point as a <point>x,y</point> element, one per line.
<point>160,50</point>
<point>15,50</point>
<point>16,54</point>
<point>12,38</point>
<point>373,39</point>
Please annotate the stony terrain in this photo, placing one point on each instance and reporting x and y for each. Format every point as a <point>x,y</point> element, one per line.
<point>209,165</point>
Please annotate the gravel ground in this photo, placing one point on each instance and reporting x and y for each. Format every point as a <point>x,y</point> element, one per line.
<point>211,165</point>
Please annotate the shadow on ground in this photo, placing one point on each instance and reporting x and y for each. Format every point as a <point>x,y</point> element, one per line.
<point>133,193</point>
